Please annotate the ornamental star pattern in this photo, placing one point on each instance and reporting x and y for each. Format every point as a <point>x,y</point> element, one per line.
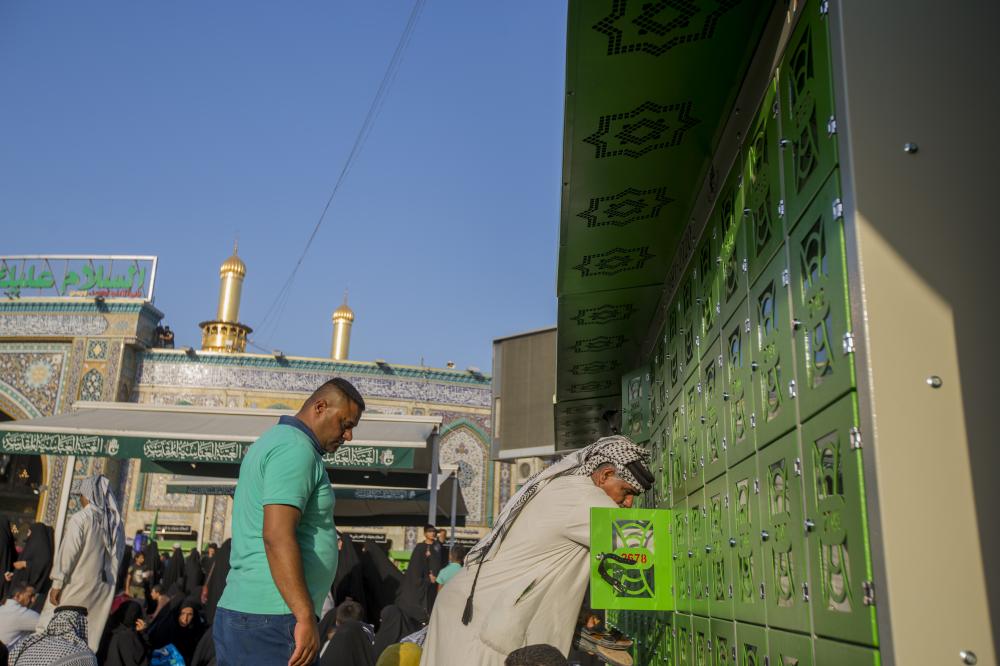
<point>656,27</point>
<point>628,206</point>
<point>604,314</point>
<point>593,368</point>
<point>614,261</point>
<point>589,387</point>
<point>648,127</point>
<point>599,343</point>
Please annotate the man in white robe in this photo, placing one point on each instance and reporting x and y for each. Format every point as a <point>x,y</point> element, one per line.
<point>87,561</point>
<point>524,583</point>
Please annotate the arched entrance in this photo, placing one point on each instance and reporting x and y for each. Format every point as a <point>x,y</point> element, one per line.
<point>20,486</point>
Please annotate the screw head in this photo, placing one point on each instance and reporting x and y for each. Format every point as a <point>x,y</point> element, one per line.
<point>968,657</point>
<point>934,381</point>
<point>910,148</point>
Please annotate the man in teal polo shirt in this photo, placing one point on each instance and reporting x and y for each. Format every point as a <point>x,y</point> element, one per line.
<point>284,550</point>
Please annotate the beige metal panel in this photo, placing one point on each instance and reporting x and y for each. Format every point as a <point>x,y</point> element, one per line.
<point>921,237</point>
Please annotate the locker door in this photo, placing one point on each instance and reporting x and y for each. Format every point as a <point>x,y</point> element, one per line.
<point>737,395</point>
<point>748,580</point>
<point>720,555</point>
<point>773,378</point>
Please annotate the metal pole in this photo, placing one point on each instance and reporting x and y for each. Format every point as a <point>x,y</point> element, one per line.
<point>435,454</point>
<point>454,509</point>
<point>201,521</point>
<point>67,486</point>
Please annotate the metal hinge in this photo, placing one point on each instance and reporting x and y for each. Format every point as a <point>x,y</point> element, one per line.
<point>855,436</point>
<point>869,591</point>
<point>838,209</point>
<point>849,343</point>
<point>824,7</point>
<point>805,591</point>
<point>791,389</point>
<point>798,467</point>
<point>697,343</point>
<point>831,126</point>
<point>753,420</point>
<point>781,207</point>
<point>746,324</point>
<point>786,277</point>
<point>756,486</point>
<point>745,266</point>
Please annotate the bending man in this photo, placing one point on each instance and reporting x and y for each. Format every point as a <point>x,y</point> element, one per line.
<point>284,553</point>
<point>524,582</point>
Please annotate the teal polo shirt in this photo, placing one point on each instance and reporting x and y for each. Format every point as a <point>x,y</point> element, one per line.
<point>282,467</point>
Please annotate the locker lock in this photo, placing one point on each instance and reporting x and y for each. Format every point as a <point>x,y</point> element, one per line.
<point>809,525</point>
<point>762,590</point>
<point>732,542</point>
<point>796,324</point>
<point>708,549</point>
<point>753,366</point>
<point>764,536</point>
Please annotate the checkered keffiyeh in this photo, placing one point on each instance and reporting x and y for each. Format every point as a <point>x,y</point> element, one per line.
<point>63,643</point>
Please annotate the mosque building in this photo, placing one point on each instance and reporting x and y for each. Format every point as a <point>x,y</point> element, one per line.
<point>105,344</point>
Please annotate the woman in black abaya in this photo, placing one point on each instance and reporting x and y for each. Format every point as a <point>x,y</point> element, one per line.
<point>180,625</point>
<point>394,624</point>
<point>351,645</point>
<point>216,582</point>
<point>8,555</point>
<point>129,645</point>
<point>174,572</point>
<point>194,578</point>
<point>37,563</point>
<point>348,581</point>
<point>382,580</point>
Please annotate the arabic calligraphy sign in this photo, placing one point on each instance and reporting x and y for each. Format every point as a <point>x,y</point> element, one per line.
<point>72,275</point>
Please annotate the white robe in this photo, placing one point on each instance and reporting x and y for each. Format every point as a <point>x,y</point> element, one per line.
<point>530,589</point>
<point>77,569</point>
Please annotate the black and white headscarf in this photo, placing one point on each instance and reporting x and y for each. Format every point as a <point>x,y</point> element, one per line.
<point>97,490</point>
<point>63,643</point>
<point>618,450</point>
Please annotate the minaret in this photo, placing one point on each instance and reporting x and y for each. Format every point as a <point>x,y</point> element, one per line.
<point>343,319</point>
<point>225,333</point>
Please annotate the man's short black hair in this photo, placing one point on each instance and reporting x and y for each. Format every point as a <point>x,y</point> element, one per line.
<point>348,610</point>
<point>342,386</point>
<point>17,588</point>
<point>430,528</point>
<point>536,655</point>
<point>457,553</point>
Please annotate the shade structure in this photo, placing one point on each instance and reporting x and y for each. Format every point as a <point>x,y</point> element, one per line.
<point>212,438</point>
<point>358,506</point>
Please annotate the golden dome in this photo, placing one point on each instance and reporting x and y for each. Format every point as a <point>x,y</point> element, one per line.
<point>343,312</point>
<point>233,265</point>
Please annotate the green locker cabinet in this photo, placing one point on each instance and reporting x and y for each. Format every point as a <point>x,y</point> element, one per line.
<point>697,540</point>
<point>835,653</point>
<point>683,649</point>
<point>788,649</point>
<point>682,563</point>
<point>694,456</point>
<point>808,124</point>
<point>720,555</point>
<point>771,348</point>
<point>783,535</point>
<point>723,643</point>
<point>737,394</point>
<point>636,418</point>
<point>674,354</point>
<point>728,215</point>
<point>751,645</point>
<point>678,448</point>
<point>745,518</point>
<point>842,596</point>
<point>668,638</point>
<point>662,440</point>
<point>713,429</point>
<point>824,345</point>
<point>660,388</point>
<point>765,229</point>
<point>701,637</point>
<point>656,495</point>
<point>708,269</point>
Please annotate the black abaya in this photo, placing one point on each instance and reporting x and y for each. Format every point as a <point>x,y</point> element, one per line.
<point>204,654</point>
<point>8,554</point>
<point>352,645</point>
<point>348,581</point>
<point>38,556</point>
<point>193,576</point>
<point>166,629</point>
<point>216,582</point>
<point>128,647</point>
<point>394,624</point>
<point>174,572</point>
<point>417,591</point>
<point>382,580</point>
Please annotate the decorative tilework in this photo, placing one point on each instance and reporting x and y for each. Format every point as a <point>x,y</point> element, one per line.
<point>97,350</point>
<point>410,539</point>
<point>505,475</point>
<point>25,325</point>
<point>31,375</point>
<point>157,497</point>
<point>92,386</point>
<point>220,512</point>
<point>57,469</point>
<point>463,447</point>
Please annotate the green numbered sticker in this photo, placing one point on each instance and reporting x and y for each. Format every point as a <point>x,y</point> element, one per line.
<point>630,559</point>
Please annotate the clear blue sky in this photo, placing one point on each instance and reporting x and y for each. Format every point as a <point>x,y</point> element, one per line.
<point>167,128</point>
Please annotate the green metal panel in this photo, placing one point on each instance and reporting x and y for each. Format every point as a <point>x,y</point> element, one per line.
<point>701,637</point>
<point>674,347</point>
<point>728,216</point>
<point>807,112</point>
<point>684,648</point>
<point>773,378</point>
<point>840,563</point>
<point>713,429</point>
<point>751,645</point>
<point>745,518</point>
<point>723,643</point>
<point>697,540</point>
<point>708,270</point>
<point>668,640</point>
<point>737,394</point>
<point>783,508</point>
<point>824,355</point>
<point>690,322</point>
<point>657,445</point>
<point>835,653</point>
<point>720,555</point>
<point>765,225</point>
<point>642,537</point>
<point>678,452</point>
<point>788,649</point>
<point>660,386</point>
<point>636,417</point>
<point>682,568</point>
<point>693,443</point>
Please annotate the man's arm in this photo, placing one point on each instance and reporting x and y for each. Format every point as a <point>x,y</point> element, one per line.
<point>69,554</point>
<point>285,562</point>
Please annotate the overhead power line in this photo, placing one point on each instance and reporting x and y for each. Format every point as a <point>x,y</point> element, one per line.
<point>272,316</point>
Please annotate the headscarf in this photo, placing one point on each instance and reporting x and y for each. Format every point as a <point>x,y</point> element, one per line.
<point>63,643</point>
<point>97,490</point>
<point>193,575</point>
<point>216,582</point>
<point>400,654</point>
<point>8,553</point>
<point>351,646</point>
<point>618,450</point>
<point>393,625</point>
<point>175,569</point>
<point>127,646</point>
<point>167,630</point>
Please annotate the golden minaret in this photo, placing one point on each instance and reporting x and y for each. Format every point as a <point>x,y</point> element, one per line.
<point>225,333</point>
<point>343,319</point>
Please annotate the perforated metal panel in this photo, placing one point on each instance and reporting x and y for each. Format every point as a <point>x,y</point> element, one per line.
<point>745,519</point>
<point>723,643</point>
<point>788,649</point>
<point>738,394</point>
<point>720,553</point>
<point>712,409</point>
